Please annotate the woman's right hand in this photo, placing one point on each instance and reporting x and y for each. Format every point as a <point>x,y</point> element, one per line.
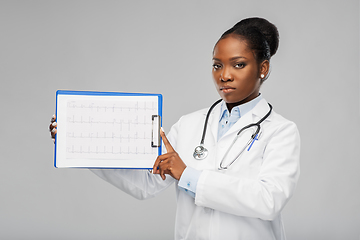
<point>52,127</point>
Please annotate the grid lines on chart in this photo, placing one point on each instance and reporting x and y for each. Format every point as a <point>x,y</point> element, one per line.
<point>109,129</point>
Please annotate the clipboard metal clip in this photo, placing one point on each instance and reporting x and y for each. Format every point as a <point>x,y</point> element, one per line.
<point>155,137</point>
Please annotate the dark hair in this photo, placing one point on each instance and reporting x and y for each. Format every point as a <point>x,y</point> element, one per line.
<point>261,36</point>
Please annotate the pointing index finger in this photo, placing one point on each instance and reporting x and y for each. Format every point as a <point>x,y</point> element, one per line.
<point>167,144</point>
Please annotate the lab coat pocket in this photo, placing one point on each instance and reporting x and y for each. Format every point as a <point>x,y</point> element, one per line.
<point>254,153</point>
<point>249,162</point>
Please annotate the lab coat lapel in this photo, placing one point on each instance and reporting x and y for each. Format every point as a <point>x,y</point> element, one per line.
<point>252,116</point>
<point>242,142</point>
<point>260,110</point>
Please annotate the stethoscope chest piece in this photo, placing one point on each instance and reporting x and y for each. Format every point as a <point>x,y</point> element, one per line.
<point>200,152</point>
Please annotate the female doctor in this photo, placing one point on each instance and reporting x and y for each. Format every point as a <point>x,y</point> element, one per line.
<point>234,184</point>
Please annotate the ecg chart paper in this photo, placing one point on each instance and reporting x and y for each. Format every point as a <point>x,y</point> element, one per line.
<point>106,131</point>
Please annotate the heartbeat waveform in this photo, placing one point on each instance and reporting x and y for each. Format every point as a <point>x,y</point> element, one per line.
<point>113,136</point>
<point>93,107</point>
<point>104,151</point>
<point>91,120</point>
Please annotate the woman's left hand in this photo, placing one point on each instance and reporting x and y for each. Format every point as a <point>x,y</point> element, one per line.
<point>170,162</point>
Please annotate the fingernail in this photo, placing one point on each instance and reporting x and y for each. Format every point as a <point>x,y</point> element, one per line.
<point>162,130</point>
<point>53,140</point>
<point>53,117</point>
<point>54,124</point>
<point>53,130</point>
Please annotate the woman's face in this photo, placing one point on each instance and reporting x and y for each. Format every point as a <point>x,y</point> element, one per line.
<point>235,71</point>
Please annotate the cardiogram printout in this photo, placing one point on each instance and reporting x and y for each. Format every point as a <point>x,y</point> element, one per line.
<point>107,129</point>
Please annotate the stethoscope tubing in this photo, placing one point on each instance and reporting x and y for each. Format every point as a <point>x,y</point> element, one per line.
<point>206,121</point>
<point>253,136</point>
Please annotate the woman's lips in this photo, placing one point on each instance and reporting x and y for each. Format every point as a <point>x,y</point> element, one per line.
<point>227,89</point>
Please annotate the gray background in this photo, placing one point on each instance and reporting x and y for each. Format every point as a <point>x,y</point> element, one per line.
<point>165,47</point>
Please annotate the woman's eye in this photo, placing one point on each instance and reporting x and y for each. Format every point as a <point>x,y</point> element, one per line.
<point>239,65</point>
<point>216,66</point>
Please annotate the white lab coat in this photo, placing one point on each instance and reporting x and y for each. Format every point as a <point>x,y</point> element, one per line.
<point>243,202</point>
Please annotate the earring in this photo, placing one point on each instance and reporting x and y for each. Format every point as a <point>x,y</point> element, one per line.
<point>262,75</point>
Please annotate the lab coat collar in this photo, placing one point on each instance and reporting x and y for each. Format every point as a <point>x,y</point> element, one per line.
<point>260,110</point>
<point>242,109</point>
<point>254,115</point>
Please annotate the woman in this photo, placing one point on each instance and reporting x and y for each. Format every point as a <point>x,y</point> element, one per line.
<point>239,189</point>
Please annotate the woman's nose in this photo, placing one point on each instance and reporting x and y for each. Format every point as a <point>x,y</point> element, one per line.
<point>226,75</point>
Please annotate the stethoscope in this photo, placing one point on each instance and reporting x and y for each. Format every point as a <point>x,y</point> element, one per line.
<point>201,152</point>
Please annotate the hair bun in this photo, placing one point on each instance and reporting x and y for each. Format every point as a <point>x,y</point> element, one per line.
<point>268,29</point>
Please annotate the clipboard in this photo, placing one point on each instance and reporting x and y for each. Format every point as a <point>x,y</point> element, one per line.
<point>107,129</point>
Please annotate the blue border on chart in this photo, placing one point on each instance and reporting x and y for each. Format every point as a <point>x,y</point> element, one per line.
<point>71,92</point>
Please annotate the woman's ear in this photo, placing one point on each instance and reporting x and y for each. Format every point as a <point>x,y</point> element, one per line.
<point>264,69</point>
